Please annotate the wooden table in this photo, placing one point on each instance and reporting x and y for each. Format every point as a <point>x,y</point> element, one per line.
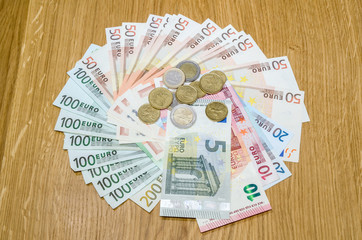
<point>42,198</point>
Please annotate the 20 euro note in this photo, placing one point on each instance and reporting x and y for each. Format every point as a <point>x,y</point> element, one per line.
<point>274,138</point>
<point>247,195</point>
<point>86,142</point>
<point>196,178</point>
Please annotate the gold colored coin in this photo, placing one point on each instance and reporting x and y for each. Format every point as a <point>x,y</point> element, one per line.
<point>148,114</point>
<point>220,74</point>
<point>191,70</point>
<point>196,85</point>
<point>186,94</point>
<point>216,111</point>
<point>211,83</point>
<point>160,98</point>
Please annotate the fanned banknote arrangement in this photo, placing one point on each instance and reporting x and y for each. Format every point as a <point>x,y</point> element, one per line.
<point>190,115</point>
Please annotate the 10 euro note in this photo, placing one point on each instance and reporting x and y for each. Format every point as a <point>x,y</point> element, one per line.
<point>247,194</point>
<point>196,177</point>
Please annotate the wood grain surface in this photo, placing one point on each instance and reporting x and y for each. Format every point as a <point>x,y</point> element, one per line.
<point>42,198</point>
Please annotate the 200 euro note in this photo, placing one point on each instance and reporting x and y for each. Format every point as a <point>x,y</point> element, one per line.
<point>247,195</point>
<point>196,177</point>
<point>149,196</point>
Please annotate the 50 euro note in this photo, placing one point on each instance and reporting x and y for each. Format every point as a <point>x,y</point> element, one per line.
<point>196,178</point>
<point>285,106</point>
<point>243,50</point>
<point>113,36</point>
<point>172,39</point>
<point>247,195</point>
<point>86,83</point>
<point>274,72</point>
<point>200,38</point>
<point>220,39</point>
<point>86,142</point>
<point>132,34</point>
<point>95,68</point>
<point>150,33</point>
<point>127,190</point>
<point>73,99</point>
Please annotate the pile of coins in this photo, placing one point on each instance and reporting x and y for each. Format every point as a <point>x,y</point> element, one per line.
<point>183,90</point>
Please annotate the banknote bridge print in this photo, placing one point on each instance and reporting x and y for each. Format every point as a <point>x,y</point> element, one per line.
<point>191,176</point>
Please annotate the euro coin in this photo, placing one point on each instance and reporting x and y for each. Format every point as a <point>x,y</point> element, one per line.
<point>183,116</point>
<point>160,98</point>
<point>216,111</point>
<point>196,85</point>
<point>220,74</point>
<point>173,78</point>
<point>191,70</point>
<point>147,114</point>
<point>186,94</point>
<point>211,83</point>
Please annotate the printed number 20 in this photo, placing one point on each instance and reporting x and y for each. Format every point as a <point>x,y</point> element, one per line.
<point>216,147</point>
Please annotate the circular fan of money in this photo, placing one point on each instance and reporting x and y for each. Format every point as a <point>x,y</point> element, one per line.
<point>189,114</point>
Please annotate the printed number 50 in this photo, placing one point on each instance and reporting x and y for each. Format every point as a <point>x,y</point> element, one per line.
<point>216,147</point>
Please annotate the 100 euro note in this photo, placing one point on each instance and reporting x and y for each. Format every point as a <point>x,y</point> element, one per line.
<point>196,177</point>
<point>247,194</point>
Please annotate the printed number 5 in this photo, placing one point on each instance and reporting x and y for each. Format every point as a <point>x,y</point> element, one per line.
<point>216,147</point>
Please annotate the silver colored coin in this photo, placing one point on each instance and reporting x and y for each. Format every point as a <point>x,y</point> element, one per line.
<point>183,116</point>
<point>173,78</point>
<point>190,68</point>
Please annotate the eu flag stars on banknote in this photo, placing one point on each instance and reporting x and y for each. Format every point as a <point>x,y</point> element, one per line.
<point>189,115</point>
